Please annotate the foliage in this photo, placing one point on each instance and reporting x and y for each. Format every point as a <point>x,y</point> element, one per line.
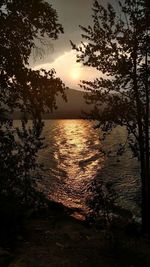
<point>100,201</point>
<point>22,89</point>
<point>118,45</point>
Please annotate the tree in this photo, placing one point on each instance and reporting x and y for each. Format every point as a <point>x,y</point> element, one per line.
<point>118,45</point>
<point>31,92</point>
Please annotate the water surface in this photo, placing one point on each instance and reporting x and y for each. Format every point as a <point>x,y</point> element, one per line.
<point>73,158</point>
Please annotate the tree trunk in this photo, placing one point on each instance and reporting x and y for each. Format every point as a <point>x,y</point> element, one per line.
<point>143,134</point>
<point>146,174</point>
<point>145,200</point>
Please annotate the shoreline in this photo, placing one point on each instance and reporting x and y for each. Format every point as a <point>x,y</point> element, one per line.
<point>53,238</point>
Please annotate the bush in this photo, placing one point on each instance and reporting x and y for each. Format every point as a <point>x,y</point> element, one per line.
<point>100,201</point>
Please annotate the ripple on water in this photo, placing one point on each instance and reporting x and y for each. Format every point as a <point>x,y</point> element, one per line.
<point>73,158</point>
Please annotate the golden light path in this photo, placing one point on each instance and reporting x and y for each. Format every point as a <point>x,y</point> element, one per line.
<point>78,156</point>
<point>72,129</point>
<point>76,132</point>
<point>73,158</point>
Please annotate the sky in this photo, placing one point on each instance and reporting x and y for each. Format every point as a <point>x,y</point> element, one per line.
<point>59,54</point>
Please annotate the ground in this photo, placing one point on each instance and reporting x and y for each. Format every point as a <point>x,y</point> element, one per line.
<point>62,241</point>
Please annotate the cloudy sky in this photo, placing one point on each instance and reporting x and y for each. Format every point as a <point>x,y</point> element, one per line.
<point>59,54</point>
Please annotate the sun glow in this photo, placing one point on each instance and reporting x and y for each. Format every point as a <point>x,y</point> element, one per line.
<point>69,70</point>
<point>75,74</point>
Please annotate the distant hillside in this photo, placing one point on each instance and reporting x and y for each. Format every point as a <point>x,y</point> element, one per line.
<point>72,109</point>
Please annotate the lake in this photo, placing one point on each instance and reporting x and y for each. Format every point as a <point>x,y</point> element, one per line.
<point>73,158</point>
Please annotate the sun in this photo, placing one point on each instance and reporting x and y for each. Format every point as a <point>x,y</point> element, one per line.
<point>75,74</point>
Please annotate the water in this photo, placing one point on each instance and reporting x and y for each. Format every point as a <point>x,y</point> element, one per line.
<point>73,158</point>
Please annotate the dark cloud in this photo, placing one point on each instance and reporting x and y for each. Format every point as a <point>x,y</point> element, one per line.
<point>72,13</point>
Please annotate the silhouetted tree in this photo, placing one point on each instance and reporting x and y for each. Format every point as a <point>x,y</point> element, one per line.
<point>118,45</point>
<point>101,202</point>
<point>31,92</point>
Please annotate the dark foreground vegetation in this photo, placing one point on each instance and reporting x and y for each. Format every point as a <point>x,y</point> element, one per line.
<point>34,231</point>
<point>118,45</point>
<point>51,237</point>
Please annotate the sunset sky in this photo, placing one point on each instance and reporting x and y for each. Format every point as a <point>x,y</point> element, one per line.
<point>60,56</point>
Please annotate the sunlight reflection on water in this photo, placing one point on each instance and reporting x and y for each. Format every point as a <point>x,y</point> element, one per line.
<point>72,159</point>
